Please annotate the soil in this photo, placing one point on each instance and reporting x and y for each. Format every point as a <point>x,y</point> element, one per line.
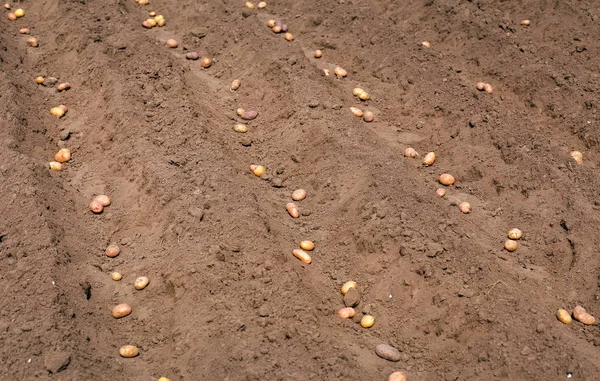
<point>227,300</point>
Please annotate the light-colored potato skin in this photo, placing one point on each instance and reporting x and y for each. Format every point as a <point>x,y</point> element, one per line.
<point>129,351</point>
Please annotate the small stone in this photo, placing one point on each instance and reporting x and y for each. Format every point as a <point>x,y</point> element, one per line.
<point>64,134</point>
<point>276,182</point>
<point>526,351</point>
<point>57,361</point>
<point>263,311</point>
<point>50,81</point>
<point>466,293</point>
<point>388,352</point>
<point>313,103</point>
<point>306,213</point>
<point>352,297</point>
<point>246,142</point>
<point>540,328</point>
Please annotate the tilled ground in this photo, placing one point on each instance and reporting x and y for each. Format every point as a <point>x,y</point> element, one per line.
<point>227,300</point>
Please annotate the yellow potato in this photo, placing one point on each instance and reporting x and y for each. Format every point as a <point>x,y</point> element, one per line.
<point>141,283</point>
<point>129,351</point>
<point>564,316</point>
<point>510,245</point>
<point>121,310</point>
<point>347,286</point>
<point>367,321</point>
<point>307,245</point>
<point>515,233</point>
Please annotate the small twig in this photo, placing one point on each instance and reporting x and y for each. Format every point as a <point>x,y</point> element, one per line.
<point>494,285</point>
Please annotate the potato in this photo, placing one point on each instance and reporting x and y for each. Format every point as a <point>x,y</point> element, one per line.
<point>57,112</point>
<point>346,312</point>
<point>356,111</point>
<point>96,207</point>
<point>364,96</point>
<point>284,28</point>
<point>116,276</point>
<point>441,192</point>
<point>163,379</point>
<point>129,351</point>
<point>172,43</point>
<point>249,115</point>
<point>277,29</point>
<point>347,286</point>
<point>289,36</point>
<point>488,88</point>
<point>262,5</point>
<point>578,156</point>
<point>141,283</point>
<point>271,23</point>
<point>161,22</point>
<point>24,30</point>
<point>257,169</point>
<point>235,84</point>
<point>54,165</point>
<point>480,86</point>
<point>33,42</point>
<point>63,155</point>
<point>241,128</point>
<point>63,86</point>
<point>515,233</point>
<point>152,14</point>
<point>367,321</point>
<point>397,376</point>
<point>192,56</point>
<point>19,12</point>
<point>112,251</point>
<point>103,199</point>
<point>121,310</point>
<point>39,80</point>
<point>318,53</point>
<point>464,207</point>
<point>146,24</point>
<point>240,111</point>
<point>6,6</point>
<point>510,245</point>
<point>426,44</point>
<point>410,152</point>
<point>446,179</point>
<point>340,72</point>
<point>526,22</point>
<point>11,16</point>
<point>429,159</point>
<point>292,209</point>
<point>387,352</point>
<point>564,316</point>
<point>357,90</point>
<point>307,245</point>
<point>299,195</point>
<point>581,315</point>
<point>249,5</point>
<point>302,255</point>
<point>205,62</point>
<point>152,22</point>
<point>368,116</point>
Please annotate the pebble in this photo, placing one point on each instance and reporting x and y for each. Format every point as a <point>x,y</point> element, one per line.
<point>276,182</point>
<point>57,361</point>
<point>64,134</point>
<point>388,352</point>
<point>352,297</point>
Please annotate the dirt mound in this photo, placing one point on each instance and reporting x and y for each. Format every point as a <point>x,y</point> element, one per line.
<point>227,300</point>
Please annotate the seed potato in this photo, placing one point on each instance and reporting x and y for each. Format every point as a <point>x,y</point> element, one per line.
<point>205,62</point>
<point>368,116</point>
<point>581,315</point>
<point>410,152</point>
<point>54,165</point>
<point>318,53</point>
<point>397,376</point>
<point>172,43</point>
<point>441,192</point>
<point>307,245</point>
<point>346,312</point>
<point>292,209</point>
<point>19,12</point>
<point>340,72</point>
<point>129,351</point>
<point>578,156</point>
<point>446,179</point>
<point>356,111</point>
<point>564,316</point>
<point>116,276</point>
<point>257,169</point>
<point>429,159</point>
<point>63,155</point>
<point>347,286</point>
<point>141,283</point>
<point>299,195</point>
<point>367,321</point>
<point>302,255</point>
<point>464,207</point>
<point>387,352</point>
<point>96,207</point>
<point>121,311</point>
<point>235,84</point>
<point>112,251</point>
<point>241,128</point>
<point>33,42</point>
<point>515,233</point>
<point>249,115</point>
<point>510,245</point>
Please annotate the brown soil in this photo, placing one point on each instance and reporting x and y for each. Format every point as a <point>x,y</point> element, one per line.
<point>227,300</point>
